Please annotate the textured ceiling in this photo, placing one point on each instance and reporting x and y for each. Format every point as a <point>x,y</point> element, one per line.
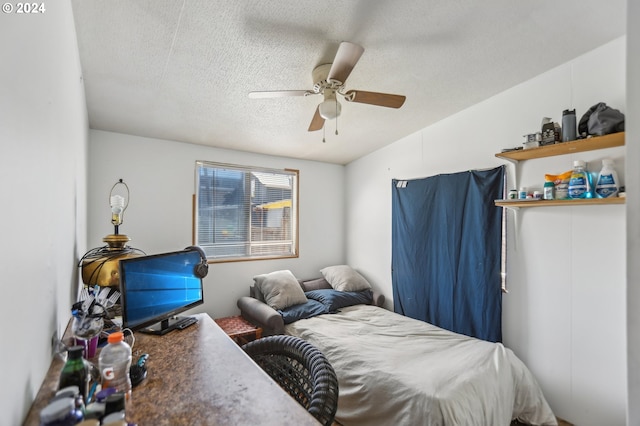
<point>182,70</point>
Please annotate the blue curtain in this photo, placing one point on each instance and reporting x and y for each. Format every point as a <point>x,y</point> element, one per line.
<point>446,251</point>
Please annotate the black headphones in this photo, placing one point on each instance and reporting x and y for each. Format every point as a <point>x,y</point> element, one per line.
<point>201,269</point>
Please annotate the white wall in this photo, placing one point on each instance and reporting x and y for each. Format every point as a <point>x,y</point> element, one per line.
<point>633,212</point>
<point>43,140</point>
<point>160,176</point>
<point>564,314</point>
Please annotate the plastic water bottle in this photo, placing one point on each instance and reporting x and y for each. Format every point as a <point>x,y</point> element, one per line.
<point>114,363</point>
<point>580,183</point>
<point>607,184</point>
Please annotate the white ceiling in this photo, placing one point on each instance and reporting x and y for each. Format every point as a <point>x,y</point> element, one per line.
<point>181,70</point>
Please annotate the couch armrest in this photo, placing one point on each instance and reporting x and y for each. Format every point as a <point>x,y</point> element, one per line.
<point>378,299</point>
<point>262,315</point>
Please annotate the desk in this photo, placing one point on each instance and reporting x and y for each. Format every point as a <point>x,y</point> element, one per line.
<point>197,376</point>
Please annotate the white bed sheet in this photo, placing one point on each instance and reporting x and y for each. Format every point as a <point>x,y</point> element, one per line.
<point>394,370</point>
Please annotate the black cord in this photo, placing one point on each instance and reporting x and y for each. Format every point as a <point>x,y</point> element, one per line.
<point>103,255</point>
<point>104,251</point>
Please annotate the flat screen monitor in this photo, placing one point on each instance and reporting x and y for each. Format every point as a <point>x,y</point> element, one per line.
<point>156,288</point>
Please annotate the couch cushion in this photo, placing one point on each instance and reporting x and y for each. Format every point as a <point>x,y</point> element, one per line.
<point>280,289</point>
<point>344,278</point>
<point>316,284</point>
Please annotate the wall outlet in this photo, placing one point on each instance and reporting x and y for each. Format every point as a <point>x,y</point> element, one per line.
<point>58,348</point>
<point>54,342</point>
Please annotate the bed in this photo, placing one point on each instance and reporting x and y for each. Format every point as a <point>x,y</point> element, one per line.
<point>394,370</point>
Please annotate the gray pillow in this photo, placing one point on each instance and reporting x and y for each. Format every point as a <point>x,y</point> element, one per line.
<point>280,289</point>
<point>316,284</point>
<point>344,278</point>
<point>255,293</point>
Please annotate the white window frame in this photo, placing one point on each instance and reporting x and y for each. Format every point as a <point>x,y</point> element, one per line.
<point>242,244</point>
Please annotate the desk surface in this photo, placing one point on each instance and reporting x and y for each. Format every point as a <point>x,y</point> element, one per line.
<point>197,376</point>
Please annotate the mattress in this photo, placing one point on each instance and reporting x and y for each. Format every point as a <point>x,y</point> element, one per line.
<point>396,370</point>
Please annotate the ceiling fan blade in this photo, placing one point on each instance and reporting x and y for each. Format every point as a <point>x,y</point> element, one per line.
<point>280,94</point>
<point>317,122</point>
<point>346,58</point>
<point>374,98</point>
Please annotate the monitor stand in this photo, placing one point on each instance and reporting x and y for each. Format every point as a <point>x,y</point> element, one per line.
<point>169,324</point>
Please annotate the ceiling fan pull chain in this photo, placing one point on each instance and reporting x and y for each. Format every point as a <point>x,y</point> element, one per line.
<point>323,133</point>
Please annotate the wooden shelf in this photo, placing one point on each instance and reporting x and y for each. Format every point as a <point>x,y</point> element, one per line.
<point>581,145</point>
<point>548,203</point>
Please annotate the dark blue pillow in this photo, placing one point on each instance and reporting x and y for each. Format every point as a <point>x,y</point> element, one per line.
<point>304,310</point>
<point>334,299</point>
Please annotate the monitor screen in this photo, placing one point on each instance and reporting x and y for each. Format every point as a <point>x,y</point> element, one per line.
<point>156,288</point>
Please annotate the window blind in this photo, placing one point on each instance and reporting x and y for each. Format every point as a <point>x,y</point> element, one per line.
<point>245,212</point>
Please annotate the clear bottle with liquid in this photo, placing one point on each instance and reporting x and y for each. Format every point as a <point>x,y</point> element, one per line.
<point>581,182</point>
<point>607,184</point>
<point>114,363</point>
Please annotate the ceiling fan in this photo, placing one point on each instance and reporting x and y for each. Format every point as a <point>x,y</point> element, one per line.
<point>329,81</point>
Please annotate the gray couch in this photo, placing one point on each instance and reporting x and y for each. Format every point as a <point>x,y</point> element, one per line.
<point>259,313</point>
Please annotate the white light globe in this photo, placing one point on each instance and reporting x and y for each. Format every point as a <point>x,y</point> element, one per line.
<point>329,109</point>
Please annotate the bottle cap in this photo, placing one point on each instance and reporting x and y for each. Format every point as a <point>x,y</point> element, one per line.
<point>95,410</point>
<point>578,163</point>
<point>57,410</point>
<point>114,403</point>
<point>89,422</point>
<point>568,111</point>
<point>548,183</point>
<point>113,417</point>
<point>68,392</point>
<point>116,337</point>
<point>607,162</point>
<point>104,393</point>
<point>116,423</point>
<point>75,352</point>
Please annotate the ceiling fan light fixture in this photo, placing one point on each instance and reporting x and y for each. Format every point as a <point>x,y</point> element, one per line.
<point>330,109</point>
<point>329,80</point>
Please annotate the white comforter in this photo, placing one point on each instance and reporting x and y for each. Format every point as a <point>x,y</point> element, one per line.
<point>394,370</point>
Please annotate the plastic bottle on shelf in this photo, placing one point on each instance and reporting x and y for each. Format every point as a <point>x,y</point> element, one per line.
<point>522,193</point>
<point>75,371</point>
<point>114,363</point>
<point>569,125</point>
<point>548,190</point>
<point>607,184</point>
<point>580,183</point>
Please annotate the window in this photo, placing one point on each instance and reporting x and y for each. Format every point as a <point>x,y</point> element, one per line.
<point>245,213</point>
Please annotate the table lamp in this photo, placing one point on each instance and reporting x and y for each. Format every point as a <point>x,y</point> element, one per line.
<point>100,265</point>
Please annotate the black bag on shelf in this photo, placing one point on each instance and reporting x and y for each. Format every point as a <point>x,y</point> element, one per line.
<point>600,120</point>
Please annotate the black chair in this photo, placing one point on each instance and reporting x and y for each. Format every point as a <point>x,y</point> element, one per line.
<point>301,370</point>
